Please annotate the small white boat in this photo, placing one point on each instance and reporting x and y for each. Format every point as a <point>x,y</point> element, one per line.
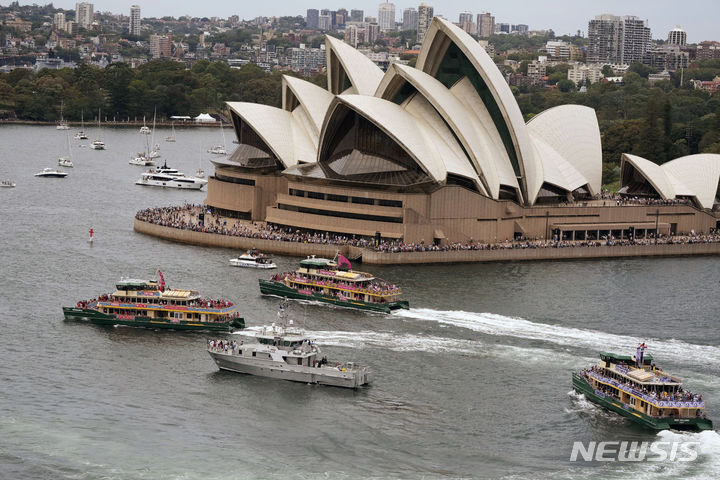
<point>7,184</point>
<point>50,173</point>
<point>65,162</point>
<point>153,179</point>
<point>81,135</point>
<point>218,150</point>
<point>253,259</point>
<point>142,160</point>
<point>200,173</point>
<point>145,130</point>
<point>62,123</point>
<point>98,144</point>
<point>171,138</point>
<point>155,152</point>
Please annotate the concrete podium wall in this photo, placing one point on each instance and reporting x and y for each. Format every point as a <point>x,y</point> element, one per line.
<point>463,256</point>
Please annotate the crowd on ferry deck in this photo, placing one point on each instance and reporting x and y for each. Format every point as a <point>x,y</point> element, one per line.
<point>375,286</point>
<point>681,395</point>
<point>186,217</point>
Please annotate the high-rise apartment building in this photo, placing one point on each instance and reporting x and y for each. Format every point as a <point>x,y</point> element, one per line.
<point>324,23</point>
<point>372,33</point>
<point>341,17</point>
<point>160,46</point>
<point>351,35</point>
<point>677,36</point>
<point>619,40</point>
<point>466,22</point>
<point>356,16</point>
<point>59,21</point>
<point>84,14</point>
<point>410,19</point>
<point>425,16</point>
<point>386,16</point>
<point>485,25</point>
<point>135,20</point>
<point>708,49</point>
<point>311,21</point>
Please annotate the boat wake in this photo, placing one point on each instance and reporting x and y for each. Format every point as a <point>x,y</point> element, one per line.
<point>407,342</point>
<point>500,325</point>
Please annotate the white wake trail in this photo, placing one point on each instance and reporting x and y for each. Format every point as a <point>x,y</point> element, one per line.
<point>500,325</point>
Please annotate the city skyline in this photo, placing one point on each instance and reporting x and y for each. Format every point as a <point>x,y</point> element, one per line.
<point>698,22</point>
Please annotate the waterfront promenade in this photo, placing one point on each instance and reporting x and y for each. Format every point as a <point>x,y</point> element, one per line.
<point>185,224</point>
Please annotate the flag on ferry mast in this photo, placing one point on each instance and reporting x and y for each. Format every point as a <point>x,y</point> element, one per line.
<point>343,261</point>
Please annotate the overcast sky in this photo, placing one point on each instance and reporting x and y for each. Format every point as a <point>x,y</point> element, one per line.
<point>699,18</point>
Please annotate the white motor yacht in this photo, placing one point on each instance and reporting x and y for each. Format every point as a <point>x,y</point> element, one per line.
<point>97,145</point>
<point>145,130</point>
<point>65,162</point>
<point>253,259</point>
<point>154,179</point>
<point>51,173</point>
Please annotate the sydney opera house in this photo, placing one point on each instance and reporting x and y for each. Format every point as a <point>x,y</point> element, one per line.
<point>442,153</point>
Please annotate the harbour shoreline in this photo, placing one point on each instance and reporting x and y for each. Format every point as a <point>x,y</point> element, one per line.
<point>369,256</point>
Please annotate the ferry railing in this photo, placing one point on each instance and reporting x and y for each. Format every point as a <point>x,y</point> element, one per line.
<point>652,400</point>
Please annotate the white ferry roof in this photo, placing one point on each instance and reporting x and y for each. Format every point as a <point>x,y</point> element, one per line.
<point>642,376</point>
<point>321,263</point>
<point>178,293</point>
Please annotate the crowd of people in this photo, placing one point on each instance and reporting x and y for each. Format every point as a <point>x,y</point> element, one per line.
<point>200,218</point>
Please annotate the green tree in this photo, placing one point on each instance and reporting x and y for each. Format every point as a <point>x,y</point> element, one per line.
<point>566,85</point>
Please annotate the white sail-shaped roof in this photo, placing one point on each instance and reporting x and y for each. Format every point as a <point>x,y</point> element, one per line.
<point>363,74</point>
<point>416,138</point>
<point>288,141</point>
<point>449,151</point>
<point>567,143</point>
<point>298,93</point>
<point>697,176</point>
<point>654,174</point>
<point>457,116</point>
<point>439,37</point>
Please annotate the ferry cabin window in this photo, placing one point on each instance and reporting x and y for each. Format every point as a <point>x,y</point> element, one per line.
<point>300,361</point>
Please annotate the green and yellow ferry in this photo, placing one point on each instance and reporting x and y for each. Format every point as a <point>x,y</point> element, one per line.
<point>637,389</point>
<point>150,304</point>
<point>328,281</point>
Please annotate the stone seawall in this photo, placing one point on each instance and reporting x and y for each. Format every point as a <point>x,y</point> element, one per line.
<point>519,255</point>
<point>241,243</point>
<point>462,256</point>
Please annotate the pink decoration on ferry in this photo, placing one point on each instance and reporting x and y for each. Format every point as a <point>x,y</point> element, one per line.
<point>343,261</point>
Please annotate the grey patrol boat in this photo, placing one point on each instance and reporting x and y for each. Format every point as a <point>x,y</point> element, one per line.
<point>281,352</point>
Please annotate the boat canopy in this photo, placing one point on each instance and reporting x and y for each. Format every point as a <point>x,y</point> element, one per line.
<point>316,263</point>
<point>135,284</point>
<point>615,358</point>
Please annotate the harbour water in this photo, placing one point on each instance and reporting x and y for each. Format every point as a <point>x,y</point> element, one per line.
<point>472,382</point>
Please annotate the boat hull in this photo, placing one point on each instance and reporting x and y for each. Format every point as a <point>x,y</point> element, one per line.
<point>268,287</point>
<point>294,373</point>
<point>581,385</point>
<point>98,318</point>
<point>250,264</point>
